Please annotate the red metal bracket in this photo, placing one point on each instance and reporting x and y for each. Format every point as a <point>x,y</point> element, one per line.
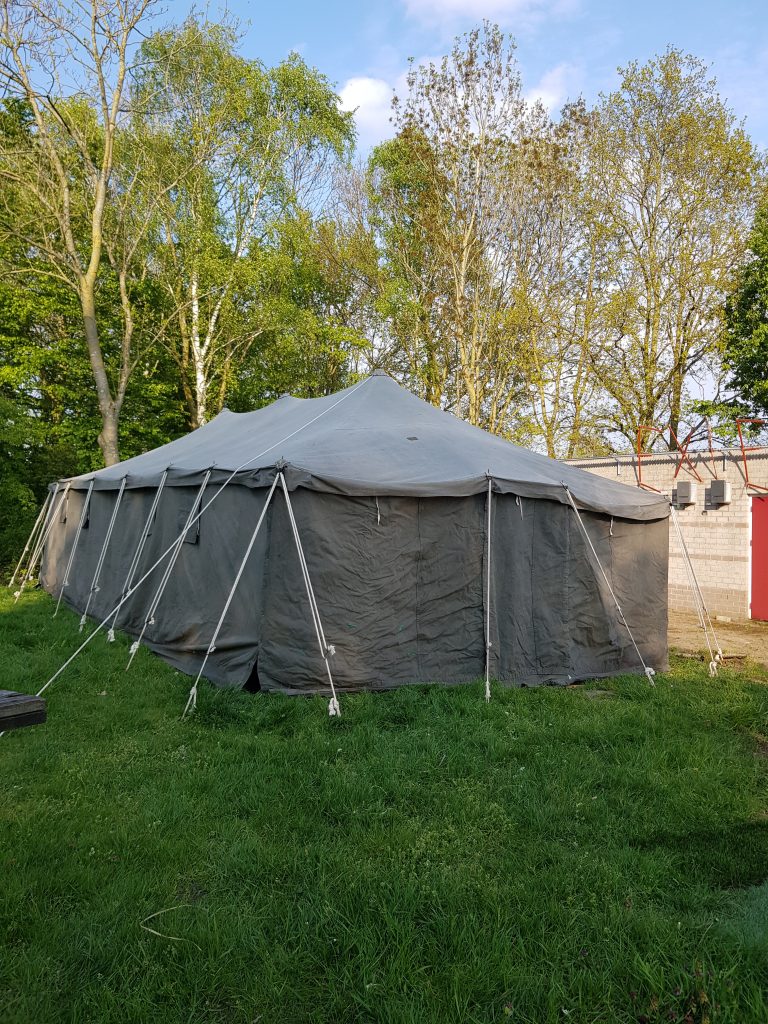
<point>682,449</point>
<point>748,448</point>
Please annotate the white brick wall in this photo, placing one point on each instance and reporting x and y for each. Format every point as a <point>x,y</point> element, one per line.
<point>717,537</point>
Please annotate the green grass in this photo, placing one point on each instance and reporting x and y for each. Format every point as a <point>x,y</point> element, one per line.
<point>426,858</point>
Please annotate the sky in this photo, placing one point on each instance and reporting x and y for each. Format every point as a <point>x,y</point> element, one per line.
<point>566,48</point>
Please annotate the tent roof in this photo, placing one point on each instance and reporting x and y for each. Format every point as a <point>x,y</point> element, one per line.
<point>374,438</point>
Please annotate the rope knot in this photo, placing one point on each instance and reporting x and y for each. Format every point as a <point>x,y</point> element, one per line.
<point>191,701</point>
<point>713,668</point>
<point>330,650</point>
<point>111,635</point>
<point>650,673</point>
<point>82,624</point>
<point>334,709</point>
<point>134,648</point>
<point>487,692</point>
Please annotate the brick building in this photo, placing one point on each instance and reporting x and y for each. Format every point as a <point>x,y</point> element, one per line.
<point>727,540</point>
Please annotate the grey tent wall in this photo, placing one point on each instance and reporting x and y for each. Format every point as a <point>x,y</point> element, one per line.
<point>399,584</point>
<point>198,586</point>
<point>553,619</point>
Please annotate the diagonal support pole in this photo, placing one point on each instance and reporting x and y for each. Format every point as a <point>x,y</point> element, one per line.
<point>31,540</point>
<point>192,699</point>
<point>40,545</point>
<point>175,550</point>
<point>649,672</point>
<point>103,553</point>
<point>326,650</point>
<point>137,555</point>
<point>716,657</point>
<point>75,542</point>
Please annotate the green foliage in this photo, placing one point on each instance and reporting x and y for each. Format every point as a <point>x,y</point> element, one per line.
<point>746,323</point>
<point>426,858</point>
<point>255,145</point>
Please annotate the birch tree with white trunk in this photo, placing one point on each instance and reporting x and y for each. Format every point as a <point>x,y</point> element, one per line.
<point>258,143</point>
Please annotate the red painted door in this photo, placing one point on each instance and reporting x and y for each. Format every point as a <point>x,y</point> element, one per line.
<point>760,558</point>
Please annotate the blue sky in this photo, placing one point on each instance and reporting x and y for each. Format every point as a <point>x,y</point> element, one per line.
<point>566,48</point>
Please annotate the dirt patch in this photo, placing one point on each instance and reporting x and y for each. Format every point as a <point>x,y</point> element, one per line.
<point>739,640</point>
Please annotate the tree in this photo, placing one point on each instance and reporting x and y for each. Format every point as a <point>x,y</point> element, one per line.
<point>745,341</point>
<point>671,183</point>
<point>256,144</point>
<point>70,64</point>
<point>454,187</point>
<point>412,291</point>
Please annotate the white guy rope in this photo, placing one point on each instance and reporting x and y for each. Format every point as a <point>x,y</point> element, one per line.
<point>33,534</point>
<point>304,568</point>
<point>103,553</point>
<point>38,552</point>
<point>138,553</point>
<point>649,672</point>
<point>75,654</point>
<point>192,699</point>
<point>716,657</point>
<point>326,650</point>
<point>697,603</point>
<point>689,574</point>
<point>75,541</point>
<point>488,643</point>
<point>149,618</point>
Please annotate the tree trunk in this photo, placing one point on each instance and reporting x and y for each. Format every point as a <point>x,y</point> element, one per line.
<point>110,412</point>
<point>198,358</point>
<point>676,402</point>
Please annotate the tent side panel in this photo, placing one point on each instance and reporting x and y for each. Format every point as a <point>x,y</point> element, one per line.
<point>513,655</point>
<point>362,560</point>
<point>596,634</point>
<point>56,551</point>
<point>634,558</point>
<point>91,541</point>
<point>201,581</point>
<point>198,586</point>
<point>398,585</point>
<point>529,592</point>
<point>449,608</point>
<point>553,617</point>
<point>641,567</point>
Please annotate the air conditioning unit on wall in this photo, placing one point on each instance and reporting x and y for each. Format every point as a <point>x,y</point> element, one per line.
<point>720,492</point>
<point>687,492</point>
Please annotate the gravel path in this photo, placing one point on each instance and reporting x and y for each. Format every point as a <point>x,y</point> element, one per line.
<point>737,639</point>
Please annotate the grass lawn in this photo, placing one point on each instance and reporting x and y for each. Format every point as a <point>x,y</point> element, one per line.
<point>426,858</point>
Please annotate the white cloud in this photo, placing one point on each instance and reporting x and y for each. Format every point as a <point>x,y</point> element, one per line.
<point>371,100</point>
<point>560,83</point>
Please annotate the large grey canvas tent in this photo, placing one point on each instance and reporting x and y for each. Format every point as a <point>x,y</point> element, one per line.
<point>432,547</point>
